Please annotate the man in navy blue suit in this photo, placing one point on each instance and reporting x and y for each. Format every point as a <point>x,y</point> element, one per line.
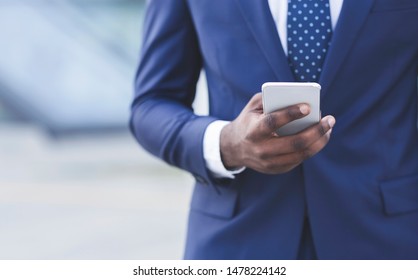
<point>259,195</point>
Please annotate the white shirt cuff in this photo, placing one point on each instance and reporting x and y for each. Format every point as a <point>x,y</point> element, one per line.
<point>212,151</point>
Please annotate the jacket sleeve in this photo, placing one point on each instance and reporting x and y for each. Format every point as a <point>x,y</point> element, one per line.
<point>162,119</point>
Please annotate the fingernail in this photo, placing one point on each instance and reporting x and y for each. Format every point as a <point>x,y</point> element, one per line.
<point>331,122</point>
<point>304,109</point>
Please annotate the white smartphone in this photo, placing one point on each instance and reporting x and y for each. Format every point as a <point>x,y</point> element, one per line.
<point>277,96</point>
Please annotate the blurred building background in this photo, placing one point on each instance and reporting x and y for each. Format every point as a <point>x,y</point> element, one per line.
<point>73,182</point>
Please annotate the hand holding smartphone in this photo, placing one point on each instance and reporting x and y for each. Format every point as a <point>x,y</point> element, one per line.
<point>277,96</point>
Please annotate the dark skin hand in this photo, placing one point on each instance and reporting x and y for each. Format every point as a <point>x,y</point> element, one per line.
<point>250,140</point>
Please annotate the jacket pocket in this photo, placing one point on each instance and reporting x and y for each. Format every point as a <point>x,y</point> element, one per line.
<point>394,6</point>
<point>214,201</point>
<point>400,195</point>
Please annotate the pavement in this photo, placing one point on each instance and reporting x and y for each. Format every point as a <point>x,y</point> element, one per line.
<point>88,197</point>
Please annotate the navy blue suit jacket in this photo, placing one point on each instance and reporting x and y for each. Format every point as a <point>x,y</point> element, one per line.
<point>360,192</point>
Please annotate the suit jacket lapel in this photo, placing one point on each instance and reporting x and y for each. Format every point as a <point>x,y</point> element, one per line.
<point>352,17</point>
<point>258,18</point>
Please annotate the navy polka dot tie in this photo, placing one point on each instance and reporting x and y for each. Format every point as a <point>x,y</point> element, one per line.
<point>309,33</point>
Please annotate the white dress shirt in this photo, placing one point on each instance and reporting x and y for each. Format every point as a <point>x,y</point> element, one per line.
<point>211,140</point>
